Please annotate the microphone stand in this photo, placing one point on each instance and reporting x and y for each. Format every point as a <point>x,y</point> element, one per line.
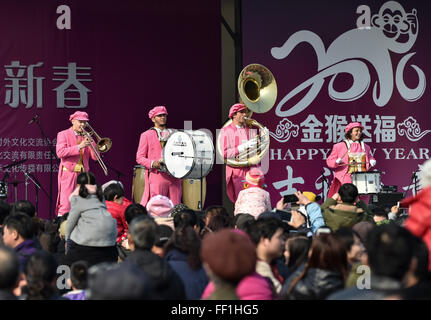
<point>119,173</point>
<point>413,178</point>
<point>37,187</point>
<point>53,155</point>
<point>324,180</point>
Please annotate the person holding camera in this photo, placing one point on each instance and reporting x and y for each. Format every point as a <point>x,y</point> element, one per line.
<point>345,209</point>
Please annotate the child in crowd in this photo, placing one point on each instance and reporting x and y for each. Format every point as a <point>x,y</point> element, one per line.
<point>77,281</point>
<point>253,199</point>
<point>116,203</point>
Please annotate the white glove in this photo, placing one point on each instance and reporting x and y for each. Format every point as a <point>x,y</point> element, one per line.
<point>251,144</point>
<point>338,161</point>
<point>373,162</point>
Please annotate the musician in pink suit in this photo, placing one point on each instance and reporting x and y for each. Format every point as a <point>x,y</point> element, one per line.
<point>74,153</point>
<point>149,155</point>
<point>236,138</point>
<point>349,156</point>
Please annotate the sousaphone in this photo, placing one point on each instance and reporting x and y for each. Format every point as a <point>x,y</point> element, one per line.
<point>258,91</point>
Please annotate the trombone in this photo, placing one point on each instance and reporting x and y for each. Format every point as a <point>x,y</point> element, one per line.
<point>103,145</point>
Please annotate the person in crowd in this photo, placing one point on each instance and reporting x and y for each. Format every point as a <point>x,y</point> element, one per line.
<point>119,282</point>
<point>40,275</point>
<point>268,236</point>
<point>236,139</point>
<point>4,212</point>
<point>91,232</point>
<point>417,283</point>
<point>354,246</point>
<point>116,205</point>
<point>134,210</point>
<point>310,209</point>
<point>9,273</point>
<point>389,256</point>
<point>74,152</point>
<point>18,234</point>
<point>165,233</point>
<point>363,229</point>
<point>149,155</point>
<point>344,209</point>
<point>182,251</point>
<point>216,218</point>
<point>167,284</point>
<point>356,254</point>
<point>348,156</point>
<point>253,199</point>
<point>380,215</point>
<point>228,257</point>
<point>159,208</point>
<point>296,251</point>
<point>419,218</point>
<point>243,220</point>
<point>77,281</point>
<point>185,217</point>
<point>324,273</point>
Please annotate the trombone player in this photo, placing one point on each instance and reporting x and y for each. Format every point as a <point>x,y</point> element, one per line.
<point>74,152</point>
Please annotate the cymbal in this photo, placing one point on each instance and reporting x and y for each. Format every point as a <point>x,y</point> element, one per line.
<point>15,163</point>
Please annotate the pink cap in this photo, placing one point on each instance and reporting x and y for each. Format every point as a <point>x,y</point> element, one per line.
<point>156,111</point>
<point>235,108</point>
<point>353,125</point>
<point>79,115</point>
<point>159,206</point>
<point>255,178</point>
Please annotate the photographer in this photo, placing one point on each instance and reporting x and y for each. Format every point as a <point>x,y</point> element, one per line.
<point>308,209</point>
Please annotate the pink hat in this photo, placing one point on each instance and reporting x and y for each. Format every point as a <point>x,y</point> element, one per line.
<point>156,111</point>
<point>254,178</point>
<point>353,125</point>
<point>79,115</point>
<point>235,108</point>
<point>159,206</point>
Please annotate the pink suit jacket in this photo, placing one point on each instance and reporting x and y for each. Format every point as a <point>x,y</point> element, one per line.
<point>150,150</point>
<point>68,152</point>
<point>230,140</point>
<point>341,174</point>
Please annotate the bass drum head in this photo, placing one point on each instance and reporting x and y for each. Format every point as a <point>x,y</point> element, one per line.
<point>178,154</point>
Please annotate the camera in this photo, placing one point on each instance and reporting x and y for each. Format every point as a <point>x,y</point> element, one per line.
<point>290,198</point>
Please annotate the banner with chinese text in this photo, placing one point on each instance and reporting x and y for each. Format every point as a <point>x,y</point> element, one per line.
<point>338,62</point>
<point>117,61</point>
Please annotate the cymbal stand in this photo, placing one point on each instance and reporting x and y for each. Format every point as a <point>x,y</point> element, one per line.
<point>37,187</point>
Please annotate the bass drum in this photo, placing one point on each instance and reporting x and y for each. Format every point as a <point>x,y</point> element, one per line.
<point>189,154</point>
<point>192,193</point>
<point>138,185</point>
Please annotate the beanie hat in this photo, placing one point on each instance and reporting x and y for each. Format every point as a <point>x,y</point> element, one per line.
<point>230,255</point>
<point>159,206</point>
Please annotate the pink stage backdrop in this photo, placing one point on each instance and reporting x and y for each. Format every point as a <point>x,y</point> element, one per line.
<point>334,66</point>
<point>118,60</point>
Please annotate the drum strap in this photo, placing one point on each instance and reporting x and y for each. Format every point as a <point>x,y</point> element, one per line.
<point>161,138</point>
<point>348,145</point>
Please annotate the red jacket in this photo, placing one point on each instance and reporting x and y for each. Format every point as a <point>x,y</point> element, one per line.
<point>117,211</point>
<point>419,219</point>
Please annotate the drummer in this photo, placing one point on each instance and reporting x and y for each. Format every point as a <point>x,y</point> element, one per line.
<point>149,155</point>
<point>348,156</point>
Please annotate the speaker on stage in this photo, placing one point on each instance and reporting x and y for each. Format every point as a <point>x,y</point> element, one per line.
<point>386,200</point>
